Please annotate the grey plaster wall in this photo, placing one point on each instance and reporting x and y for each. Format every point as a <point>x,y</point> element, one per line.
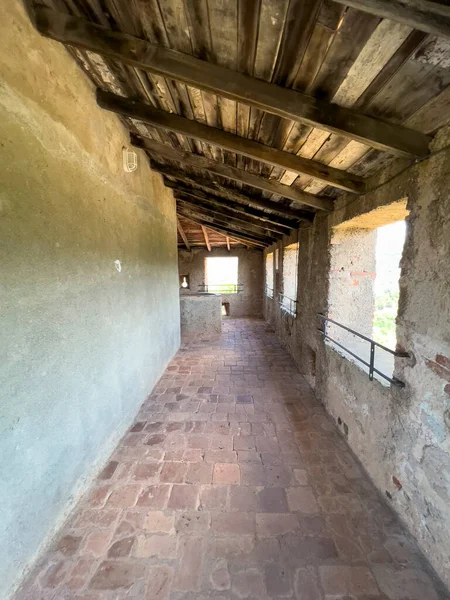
<point>247,303</point>
<point>83,340</point>
<point>401,436</point>
<point>201,315</point>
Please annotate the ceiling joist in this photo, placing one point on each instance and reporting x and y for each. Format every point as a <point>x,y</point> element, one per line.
<point>257,233</point>
<point>232,236</point>
<point>233,195</point>
<point>205,236</point>
<point>432,17</point>
<point>227,210</point>
<point>237,235</point>
<point>256,225</point>
<point>286,103</point>
<point>233,143</point>
<point>233,173</point>
<point>183,235</point>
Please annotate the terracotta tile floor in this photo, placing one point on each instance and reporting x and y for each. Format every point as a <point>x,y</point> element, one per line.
<point>231,484</point>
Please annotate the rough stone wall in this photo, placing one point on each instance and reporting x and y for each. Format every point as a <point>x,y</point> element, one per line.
<point>247,303</point>
<point>401,436</point>
<point>82,338</point>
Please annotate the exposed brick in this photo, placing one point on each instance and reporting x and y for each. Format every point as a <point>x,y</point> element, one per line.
<point>234,523</point>
<point>173,472</point>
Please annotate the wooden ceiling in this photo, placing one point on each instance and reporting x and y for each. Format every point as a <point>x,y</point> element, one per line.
<point>259,113</point>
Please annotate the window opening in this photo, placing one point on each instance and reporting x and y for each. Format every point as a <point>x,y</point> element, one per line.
<point>364,287</point>
<point>221,275</point>
<point>269,275</point>
<point>185,282</point>
<point>288,298</point>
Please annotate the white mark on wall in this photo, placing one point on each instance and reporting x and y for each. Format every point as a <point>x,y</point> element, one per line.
<point>118,265</point>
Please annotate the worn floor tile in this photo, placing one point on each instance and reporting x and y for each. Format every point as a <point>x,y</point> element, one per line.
<point>232,483</point>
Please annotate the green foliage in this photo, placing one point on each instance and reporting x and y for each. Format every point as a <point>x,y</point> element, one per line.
<point>223,288</point>
<point>386,306</point>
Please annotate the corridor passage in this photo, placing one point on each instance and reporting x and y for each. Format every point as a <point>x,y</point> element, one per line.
<point>232,484</point>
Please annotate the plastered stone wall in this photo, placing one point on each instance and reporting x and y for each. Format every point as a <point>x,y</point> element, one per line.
<point>401,436</point>
<point>88,289</point>
<point>247,303</point>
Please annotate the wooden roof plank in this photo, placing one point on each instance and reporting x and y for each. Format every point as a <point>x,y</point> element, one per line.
<point>246,225</point>
<point>224,230</point>
<point>205,235</point>
<point>425,15</point>
<point>235,209</point>
<point>283,102</point>
<point>225,210</point>
<point>237,196</point>
<point>183,235</point>
<point>201,162</point>
<point>211,135</point>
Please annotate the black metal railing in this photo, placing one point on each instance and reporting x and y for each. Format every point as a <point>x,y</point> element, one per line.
<point>221,288</point>
<point>373,345</point>
<point>269,292</point>
<point>288,304</point>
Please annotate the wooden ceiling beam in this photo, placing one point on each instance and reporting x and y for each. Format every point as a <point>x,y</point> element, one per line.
<point>205,236</point>
<point>183,235</point>
<point>242,238</point>
<point>432,17</point>
<point>247,228</point>
<point>288,215</point>
<point>226,207</point>
<point>234,143</point>
<point>257,227</point>
<point>224,224</point>
<point>233,173</point>
<point>269,97</point>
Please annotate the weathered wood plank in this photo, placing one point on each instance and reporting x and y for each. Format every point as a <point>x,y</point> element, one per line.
<point>238,223</point>
<point>205,235</point>
<point>224,225</point>
<point>201,162</point>
<point>283,102</point>
<point>424,15</point>
<point>233,235</point>
<point>234,143</point>
<point>240,201</point>
<point>183,235</point>
<point>225,210</point>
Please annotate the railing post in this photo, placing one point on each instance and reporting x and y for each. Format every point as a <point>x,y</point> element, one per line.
<point>372,360</point>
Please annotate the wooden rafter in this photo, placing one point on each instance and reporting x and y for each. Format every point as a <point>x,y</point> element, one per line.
<point>225,225</point>
<point>233,173</point>
<point>183,235</point>
<point>239,221</point>
<point>228,243</point>
<point>257,233</point>
<point>205,236</point>
<point>431,17</point>
<point>210,77</point>
<point>226,211</point>
<point>233,195</point>
<point>233,143</point>
<point>236,236</point>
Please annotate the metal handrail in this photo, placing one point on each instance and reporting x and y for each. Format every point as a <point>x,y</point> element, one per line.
<point>269,289</point>
<point>292,303</point>
<point>219,288</point>
<point>373,344</point>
